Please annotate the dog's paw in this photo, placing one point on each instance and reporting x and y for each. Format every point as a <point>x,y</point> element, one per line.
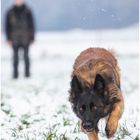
<point>111,128</point>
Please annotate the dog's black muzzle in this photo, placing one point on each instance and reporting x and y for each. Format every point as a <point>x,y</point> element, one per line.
<point>88,126</point>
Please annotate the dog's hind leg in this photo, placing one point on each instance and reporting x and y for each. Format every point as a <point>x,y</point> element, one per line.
<point>93,135</point>
<point>114,116</point>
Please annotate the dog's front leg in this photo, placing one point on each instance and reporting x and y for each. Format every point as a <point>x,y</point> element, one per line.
<point>93,135</point>
<point>114,116</point>
<point>112,122</point>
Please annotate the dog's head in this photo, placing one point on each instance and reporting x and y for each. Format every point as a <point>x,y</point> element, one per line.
<point>90,104</point>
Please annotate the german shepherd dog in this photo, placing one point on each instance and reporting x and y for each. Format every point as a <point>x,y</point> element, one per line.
<point>95,91</point>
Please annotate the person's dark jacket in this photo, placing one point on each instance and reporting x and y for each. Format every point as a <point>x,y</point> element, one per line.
<point>20,25</point>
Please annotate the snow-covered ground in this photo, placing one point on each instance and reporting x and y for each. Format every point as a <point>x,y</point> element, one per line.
<point>38,108</point>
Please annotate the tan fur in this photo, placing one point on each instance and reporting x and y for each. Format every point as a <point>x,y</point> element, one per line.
<point>95,61</point>
<point>93,136</point>
<point>115,115</point>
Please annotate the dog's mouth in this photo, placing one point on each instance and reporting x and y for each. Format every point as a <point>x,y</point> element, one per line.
<point>90,130</point>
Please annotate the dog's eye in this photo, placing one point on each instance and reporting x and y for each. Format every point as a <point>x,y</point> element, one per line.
<point>82,108</point>
<point>93,107</point>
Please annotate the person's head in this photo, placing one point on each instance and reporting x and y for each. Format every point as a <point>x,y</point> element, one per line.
<point>19,2</point>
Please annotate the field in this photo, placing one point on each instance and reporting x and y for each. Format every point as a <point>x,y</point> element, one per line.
<point>38,108</point>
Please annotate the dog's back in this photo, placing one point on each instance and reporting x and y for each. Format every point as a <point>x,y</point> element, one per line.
<point>96,61</point>
<point>94,54</point>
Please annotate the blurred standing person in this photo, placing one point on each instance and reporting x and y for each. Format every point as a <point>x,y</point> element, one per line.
<point>20,33</point>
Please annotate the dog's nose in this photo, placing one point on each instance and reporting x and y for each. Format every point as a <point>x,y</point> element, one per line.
<point>88,125</point>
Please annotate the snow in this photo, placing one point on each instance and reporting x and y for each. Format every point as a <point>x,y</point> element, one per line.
<point>30,107</point>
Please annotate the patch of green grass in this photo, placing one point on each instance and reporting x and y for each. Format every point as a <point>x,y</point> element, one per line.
<point>24,120</point>
<point>52,135</point>
<point>63,137</point>
<point>122,133</point>
<point>5,109</point>
<point>66,121</point>
<point>77,127</point>
<point>137,137</point>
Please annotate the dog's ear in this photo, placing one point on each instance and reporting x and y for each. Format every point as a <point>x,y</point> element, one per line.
<point>76,85</point>
<point>99,84</point>
<point>75,90</point>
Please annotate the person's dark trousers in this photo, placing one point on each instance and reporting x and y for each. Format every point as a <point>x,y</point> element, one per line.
<point>25,49</point>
